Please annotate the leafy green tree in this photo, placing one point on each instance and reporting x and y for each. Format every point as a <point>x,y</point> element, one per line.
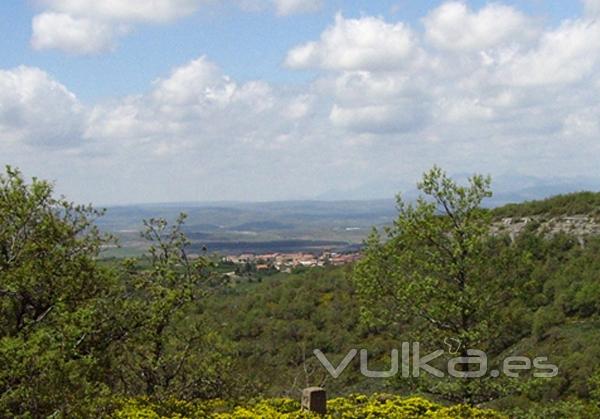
<point>76,334</point>
<point>169,352</point>
<point>594,384</point>
<point>50,293</point>
<point>439,276</point>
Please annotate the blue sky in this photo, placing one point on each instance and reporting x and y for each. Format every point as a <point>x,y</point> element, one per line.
<point>277,99</point>
<point>247,46</point>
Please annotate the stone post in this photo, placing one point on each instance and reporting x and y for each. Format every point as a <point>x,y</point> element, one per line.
<point>314,399</point>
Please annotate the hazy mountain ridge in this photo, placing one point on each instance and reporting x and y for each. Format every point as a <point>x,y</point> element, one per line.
<point>313,225</point>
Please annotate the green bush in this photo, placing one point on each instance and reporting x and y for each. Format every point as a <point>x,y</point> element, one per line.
<point>564,409</point>
<point>545,318</point>
<point>351,407</point>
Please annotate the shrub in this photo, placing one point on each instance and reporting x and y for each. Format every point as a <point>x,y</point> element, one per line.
<point>351,407</point>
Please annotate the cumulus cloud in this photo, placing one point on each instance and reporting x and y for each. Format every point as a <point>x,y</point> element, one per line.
<point>199,81</point>
<point>564,55</point>
<point>592,7</point>
<point>468,67</point>
<point>352,44</point>
<point>37,110</point>
<point>290,7</point>
<point>384,118</point>
<point>130,10</point>
<point>195,104</point>
<point>89,26</point>
<point>281,7</point>
<point>298,107</point>
<point>92,26</point>
<point>452,26</point>
<point>200,122</point>
<point>74,35</point>
<point>484,89</point>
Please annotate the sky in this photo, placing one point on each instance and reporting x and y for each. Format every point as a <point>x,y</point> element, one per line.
<point>252,100</point>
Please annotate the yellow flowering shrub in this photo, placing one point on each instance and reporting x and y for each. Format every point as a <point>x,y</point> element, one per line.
<point>351,407</point>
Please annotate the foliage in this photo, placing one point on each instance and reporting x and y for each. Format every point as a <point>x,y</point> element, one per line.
<point>594,383</point>
<point>560,205</point>
<point>558,410</point>
<point>74,332</point>
<point>351,407</point>
<point>51,291</point>
<point>164,336</point>
<point>168,351</point>
<point>277,324</point>
<point>439,265</point>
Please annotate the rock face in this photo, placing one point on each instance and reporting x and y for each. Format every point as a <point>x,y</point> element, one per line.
<point>314,399</point>
<point>579,226</point>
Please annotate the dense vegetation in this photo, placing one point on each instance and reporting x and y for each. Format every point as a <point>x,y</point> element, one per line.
<point>587,203</point>
<point>170,336</point>
<point>354,406</point>
<point>75,333</point>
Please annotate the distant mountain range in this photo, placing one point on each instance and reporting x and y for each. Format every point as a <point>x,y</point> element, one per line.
<point>230,227</point>
<point>507,189</point>
<point>258,227</point>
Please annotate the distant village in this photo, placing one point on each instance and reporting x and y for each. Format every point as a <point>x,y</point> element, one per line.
<point>285,262</point>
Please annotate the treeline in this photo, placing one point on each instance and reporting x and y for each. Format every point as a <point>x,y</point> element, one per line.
<point>578,203</point>
<point>278,322</point>
<point>167,335</point>
<point>78,336</point>
<point>534,296</point>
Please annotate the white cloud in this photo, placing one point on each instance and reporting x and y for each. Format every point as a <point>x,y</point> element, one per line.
<point>91,26</point>
<point>74,35</point>
<point>290,7</point>
<point>126,11</point>
<point>199,119</point>
<point>386,118</point>
<point>585,123</point>
<point>37,110</point>
<point>195,103</point>
<point>298,107</point>
<point>388,100</point>
<point>565,55</point>
<point>364,87</point>
<point>464,110</point>
<point>452,26</point>
<point>353,44</point>
<point>592,7</point>
<point>416,85</point>
<point>281,7</point>
<point>199,81</point>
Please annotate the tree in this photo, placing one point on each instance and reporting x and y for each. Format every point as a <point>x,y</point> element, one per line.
<point>76,334</point>
<point>439,276</point>
<point>50,289</point>
<point>168,351</point>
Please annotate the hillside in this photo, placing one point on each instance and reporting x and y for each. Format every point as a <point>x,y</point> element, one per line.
<point>556,317</point>
<point>233,227</point>
<point>578,203</point>
<point>312,226</point>
<point>576,214</point>
<point>276,321</point>
<point>169,335</point>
